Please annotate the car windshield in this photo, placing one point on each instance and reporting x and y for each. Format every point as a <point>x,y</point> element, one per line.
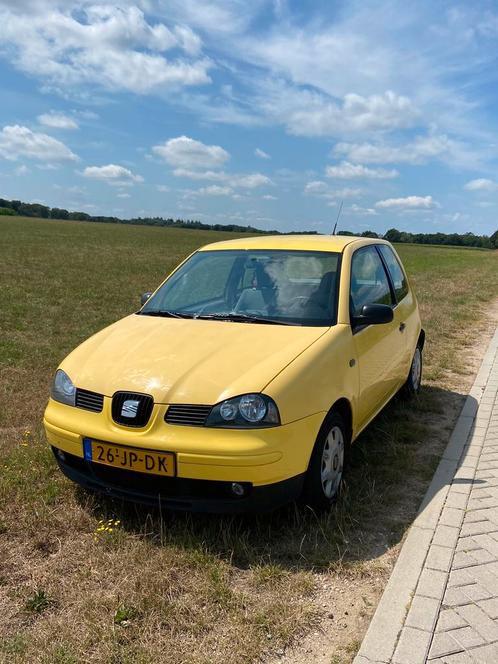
<point>275,287</point>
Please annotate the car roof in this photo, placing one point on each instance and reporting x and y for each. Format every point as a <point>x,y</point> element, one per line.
<point>296,242</point>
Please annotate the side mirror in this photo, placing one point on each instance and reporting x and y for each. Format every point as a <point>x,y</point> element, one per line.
<point>144,297</point>
<point>374,314</point>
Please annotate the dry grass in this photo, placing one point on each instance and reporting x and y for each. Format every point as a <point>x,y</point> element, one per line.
<point>183,588</point>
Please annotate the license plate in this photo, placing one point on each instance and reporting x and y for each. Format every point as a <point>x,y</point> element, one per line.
<point>129,458</point>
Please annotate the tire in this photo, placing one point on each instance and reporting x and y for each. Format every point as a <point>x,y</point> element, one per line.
<point>414,380</point>
<point>323,479</point>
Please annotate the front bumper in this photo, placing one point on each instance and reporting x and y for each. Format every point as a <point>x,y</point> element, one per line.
<point>177,493</point>
<point>270,462</point>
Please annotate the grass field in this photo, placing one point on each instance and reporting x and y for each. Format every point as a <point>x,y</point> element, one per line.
<point>75,587</point>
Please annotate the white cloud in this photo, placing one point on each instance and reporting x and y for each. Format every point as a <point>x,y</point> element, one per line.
<point>269,197</point>
<point>124,195</point>
<point>386,111</point>
<point>481,184</point>
<point>112,174</point>
<point>348,171</point>
<point>112,47</point>
<point>261,154</point>
<point>199,175</point>
<point>216,16</point>
<point>162,188</point>
<point>310,113</point>
<point>316,187</point>
<point>22,170</point>
<point>86,115</point>
<point>250,181</point>
<point>244,181</point>
<point>57,120</point>
<point>363,211</point>
<point>187,153</point>
<point>418,151</point>
<point>346,192</point>
<point>407,203</point>
<point>17,141</point>
<point>215,190</point>
<point>323,190</point>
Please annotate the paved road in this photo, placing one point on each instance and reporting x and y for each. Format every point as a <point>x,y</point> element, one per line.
<point>441,603</point>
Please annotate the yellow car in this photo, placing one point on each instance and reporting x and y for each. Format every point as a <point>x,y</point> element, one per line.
<point>243,379</point>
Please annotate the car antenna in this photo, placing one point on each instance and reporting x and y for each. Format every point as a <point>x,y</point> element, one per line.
<point>337,220</point>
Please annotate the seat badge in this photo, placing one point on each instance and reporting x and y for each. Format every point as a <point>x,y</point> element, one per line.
<point>129,408</point>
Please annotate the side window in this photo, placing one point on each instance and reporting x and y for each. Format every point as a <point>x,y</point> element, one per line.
<point>369,282</point>
<point>397,275</point>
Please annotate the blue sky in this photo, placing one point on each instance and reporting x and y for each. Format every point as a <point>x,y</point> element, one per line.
<point>265,112</point>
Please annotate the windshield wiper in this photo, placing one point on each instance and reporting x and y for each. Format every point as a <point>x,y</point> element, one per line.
<point>165,313</point>
<point>244,318</point>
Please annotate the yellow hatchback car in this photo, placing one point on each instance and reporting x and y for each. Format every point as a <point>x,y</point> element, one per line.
<point>242,381</point>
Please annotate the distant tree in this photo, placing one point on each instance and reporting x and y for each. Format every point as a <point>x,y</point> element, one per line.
<point>494,240</point>
<point>345,233</point>
<point>407,237</point>
<point>33,210</point>
<point>59,213</point>
<point>79,216</point>
<point>7,212</point>
<point>369,234</point>
<point>393,235</point>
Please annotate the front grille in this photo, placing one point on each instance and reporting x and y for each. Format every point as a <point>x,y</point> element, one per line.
<point>132,409</point>
<point>187,414</point>
<point>89,400</point>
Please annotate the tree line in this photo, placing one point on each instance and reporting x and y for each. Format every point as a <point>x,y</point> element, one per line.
<point>15,207</point>
<point>452,239</point>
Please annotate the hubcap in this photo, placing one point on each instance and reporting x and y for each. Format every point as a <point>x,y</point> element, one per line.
<point>332,462</point>
<point>417,369</point>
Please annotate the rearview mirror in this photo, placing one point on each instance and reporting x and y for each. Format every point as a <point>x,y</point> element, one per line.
<point>144,297</point>
<point>374,314</point>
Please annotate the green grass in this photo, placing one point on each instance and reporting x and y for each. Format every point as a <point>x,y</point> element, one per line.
<point>38,602</point>
<point>178,587</point>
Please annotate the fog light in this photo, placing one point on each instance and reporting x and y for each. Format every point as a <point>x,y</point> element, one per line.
<point>238,489</point>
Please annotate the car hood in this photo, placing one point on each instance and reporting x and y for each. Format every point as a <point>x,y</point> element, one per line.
<point>186,361</point>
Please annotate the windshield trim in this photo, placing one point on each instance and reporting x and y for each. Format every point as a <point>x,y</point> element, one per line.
<point>330,322</point>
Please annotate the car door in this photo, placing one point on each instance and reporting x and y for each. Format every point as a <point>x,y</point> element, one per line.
<point>379,348</point>
<point>404,311</point>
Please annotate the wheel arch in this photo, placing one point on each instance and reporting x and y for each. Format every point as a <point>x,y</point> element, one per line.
<point>344,408</point>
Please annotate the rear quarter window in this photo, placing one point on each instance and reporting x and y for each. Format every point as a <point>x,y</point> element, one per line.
<point>397,275</point>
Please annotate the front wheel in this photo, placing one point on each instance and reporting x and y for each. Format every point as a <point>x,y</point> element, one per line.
<point>412,385</point>
<point>324,476</point>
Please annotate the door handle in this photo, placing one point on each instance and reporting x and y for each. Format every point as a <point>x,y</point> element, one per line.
<point>402,327</point>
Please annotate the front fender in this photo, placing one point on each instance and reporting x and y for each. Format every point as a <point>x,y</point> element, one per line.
<point>324,373</point>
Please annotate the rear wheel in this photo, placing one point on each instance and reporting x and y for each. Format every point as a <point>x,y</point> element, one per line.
<point>414,380</point>
<point>324,476</point>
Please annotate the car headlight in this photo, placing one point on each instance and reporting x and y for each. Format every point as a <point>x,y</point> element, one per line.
<point>63,389</point>
<point>245,412</point>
